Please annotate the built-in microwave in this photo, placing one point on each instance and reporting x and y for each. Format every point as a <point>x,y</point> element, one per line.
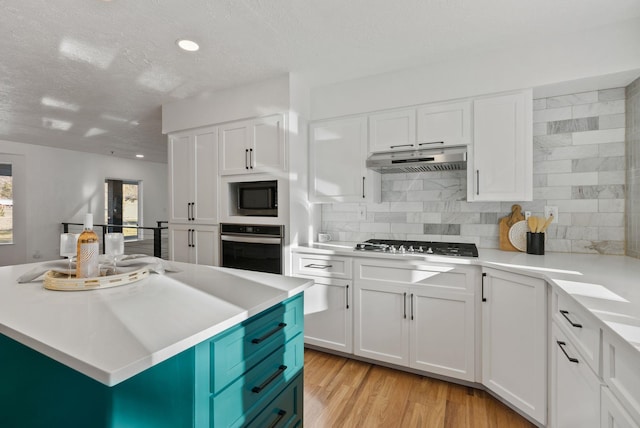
<point>258,198</point>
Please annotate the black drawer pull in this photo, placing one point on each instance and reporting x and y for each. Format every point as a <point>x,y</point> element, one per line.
<point>565,314</point>
<point>400,145</point>
<point>257,389</point>
<point>316,266</point>
<point>269,334</point>
<point>277,420</point>
<point>562,345</point>
<point>431,142</point>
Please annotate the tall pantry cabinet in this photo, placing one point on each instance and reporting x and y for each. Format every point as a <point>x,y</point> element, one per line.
<point>193,196</point>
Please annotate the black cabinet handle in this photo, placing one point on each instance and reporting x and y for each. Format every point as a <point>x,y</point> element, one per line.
<point>565,314</point>
<point>562,345</point>
<point>191,237</point>
<point>246,154</point>
<point>432,142</point>
<point>404,300</point>
<point>477,181</point>
<point>362,187</point>
<point>316,266</point>
<point>278,418</point>
<point>347,296</point>
<point>401,145</point>
<point>251,158</point>
<point>411,306</point>
<point>484,299</point>
<point>270,333</point>
<point>257,389</point>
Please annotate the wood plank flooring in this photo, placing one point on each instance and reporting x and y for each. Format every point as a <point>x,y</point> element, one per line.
<point>340,392</point>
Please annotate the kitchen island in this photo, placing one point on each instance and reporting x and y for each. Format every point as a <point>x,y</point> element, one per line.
<point>203,346</point>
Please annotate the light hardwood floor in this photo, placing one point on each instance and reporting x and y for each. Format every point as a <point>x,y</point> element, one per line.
<point>340,392</point>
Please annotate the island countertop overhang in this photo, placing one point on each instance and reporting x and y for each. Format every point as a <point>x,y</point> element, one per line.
<point>113,334</point>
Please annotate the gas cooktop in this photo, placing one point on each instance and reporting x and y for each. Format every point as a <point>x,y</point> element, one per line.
<point>419,247</point>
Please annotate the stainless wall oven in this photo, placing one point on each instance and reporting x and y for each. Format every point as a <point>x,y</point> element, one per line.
<point>252,247</point>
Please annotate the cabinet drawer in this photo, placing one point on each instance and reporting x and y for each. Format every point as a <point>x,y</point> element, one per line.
<point>581,328</point>
<point>248,395</point>
<point>285,410</point>
<point>620,372</point>
<point>318,265</point>
<point>437,276</point>
<point>244,346</point>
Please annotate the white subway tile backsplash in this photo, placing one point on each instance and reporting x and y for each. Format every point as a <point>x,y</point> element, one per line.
<point>598,137</point>
<point>552,166</point>
<point>610,149</point>
<point>611,233</point>
<point>572,152</point>
<point>540,104</point>
<point>539,129</point>
<point>611,205</point>
<point>425,217</point>
<point>572,99</point>
<point>611,177</point>
<point>611,94</point>
<point>375,227</point>
<point>572,179</point>
<point>598,109</point>
<point>551,114</point>
<point>610,121</point>
<point>406,228</point>
<point>560,192</point>
<point>577,205</point>
<point>406,206</point>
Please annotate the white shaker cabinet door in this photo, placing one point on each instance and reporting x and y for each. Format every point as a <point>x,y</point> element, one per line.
<point>328,306</point>
<point>514,332</point>
<point>234,148</point>
<point>381,327</point>
<point>394,130</point>
<point>575,389</point>
<point>337,159</point>
<point>501,160</point>
<point>444,124</point>
<point>181,178</point>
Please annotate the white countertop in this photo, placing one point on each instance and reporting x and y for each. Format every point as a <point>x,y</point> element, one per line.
<point>116,333</point>
<point>607,286</point>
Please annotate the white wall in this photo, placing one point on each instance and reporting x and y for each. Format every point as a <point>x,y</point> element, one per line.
<point>63,185</point>
<point>609,49</point>
<point>253,100</point>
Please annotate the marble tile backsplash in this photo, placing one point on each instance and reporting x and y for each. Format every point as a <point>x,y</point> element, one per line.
<point>579,166</point>
<point>633,168</point>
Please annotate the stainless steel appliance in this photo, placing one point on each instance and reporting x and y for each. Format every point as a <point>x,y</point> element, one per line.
<point>258,198</point>
<point>252,247</point>
<point>419,247</point>
<point>441,159</point>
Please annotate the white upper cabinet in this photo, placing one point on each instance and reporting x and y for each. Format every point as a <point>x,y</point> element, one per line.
<point>253,146</point>
<point>337,162</point>
<point>193,177</point>
<point>394,130</point>
<point>500,164</point>
<point>444,124</point>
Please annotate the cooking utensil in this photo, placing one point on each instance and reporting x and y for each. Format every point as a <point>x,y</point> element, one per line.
<point>533,223</point>
<point>546,223</point>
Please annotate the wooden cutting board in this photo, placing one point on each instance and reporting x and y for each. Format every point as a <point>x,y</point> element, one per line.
<point>505,224</point>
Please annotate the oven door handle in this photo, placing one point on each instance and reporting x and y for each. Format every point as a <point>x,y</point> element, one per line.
<point>251,239</point>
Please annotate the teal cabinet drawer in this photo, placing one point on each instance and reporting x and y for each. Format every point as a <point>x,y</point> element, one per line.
<point>285,411</point>
<point>243,347</point>
<point>241,401</point>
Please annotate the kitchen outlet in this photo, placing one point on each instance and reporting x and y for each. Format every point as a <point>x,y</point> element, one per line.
<point>550,211</point>
<point>527,214</point>
<point>362,212</point>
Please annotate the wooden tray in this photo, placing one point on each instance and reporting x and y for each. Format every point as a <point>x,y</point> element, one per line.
<point>61,282</point>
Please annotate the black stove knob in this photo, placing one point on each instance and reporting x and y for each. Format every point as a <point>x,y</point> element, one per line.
<point>410,249</point>
<point>429,250</point>
<point>420,249</point>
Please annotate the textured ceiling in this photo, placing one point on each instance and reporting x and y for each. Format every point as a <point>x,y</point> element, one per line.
<point>91,75</point>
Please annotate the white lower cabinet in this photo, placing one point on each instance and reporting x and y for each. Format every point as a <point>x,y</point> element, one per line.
<point>612,412</point>
<point>575,389</point>
<point>416,315</point>
<point>514,333</point>
<point>194,244</point>
<point>328,313</point>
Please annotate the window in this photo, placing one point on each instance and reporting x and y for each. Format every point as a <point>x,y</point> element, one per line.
<point>6,204</point>
<point>123,207</point>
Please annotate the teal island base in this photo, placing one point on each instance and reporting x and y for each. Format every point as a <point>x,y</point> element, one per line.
<point>248,375</point>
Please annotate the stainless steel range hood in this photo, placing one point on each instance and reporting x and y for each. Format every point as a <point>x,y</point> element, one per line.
<point>442,159</point>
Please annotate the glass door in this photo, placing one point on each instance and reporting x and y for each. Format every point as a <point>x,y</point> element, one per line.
<point>123,207</point>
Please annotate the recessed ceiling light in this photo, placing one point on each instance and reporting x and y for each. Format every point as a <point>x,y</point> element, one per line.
<point>188,45</point>
<point>139,156</point>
